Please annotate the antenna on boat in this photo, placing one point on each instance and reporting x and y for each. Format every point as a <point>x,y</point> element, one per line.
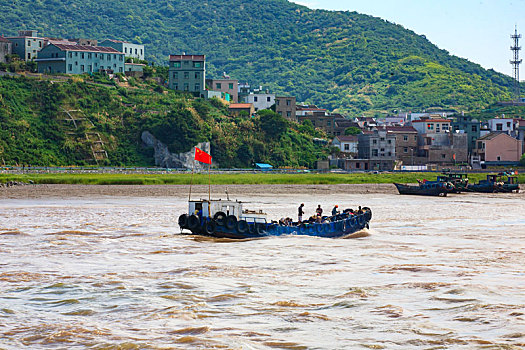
<point>227,195</point>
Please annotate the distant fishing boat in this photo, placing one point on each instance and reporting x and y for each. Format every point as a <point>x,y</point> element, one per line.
<point>228,219</point>
<point>494,183</point>
<point>427,188</point>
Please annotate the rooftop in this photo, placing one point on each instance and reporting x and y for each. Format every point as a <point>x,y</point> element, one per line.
<point>187,57</point>
<point>407,129</point>
<point>347,138</point>
<point>86,48</point>
<point>117,41</point>
<point>241,105</point>
<point>431,121</point>
<point>4,40</point>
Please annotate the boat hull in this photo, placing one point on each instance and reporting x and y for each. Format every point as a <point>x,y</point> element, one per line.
<point>421,190</point>
<point>343,226</point>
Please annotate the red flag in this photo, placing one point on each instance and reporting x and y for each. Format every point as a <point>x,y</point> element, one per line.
<point>202,156</point>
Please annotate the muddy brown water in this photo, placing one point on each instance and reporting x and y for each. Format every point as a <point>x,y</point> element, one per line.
<point>113,272</point>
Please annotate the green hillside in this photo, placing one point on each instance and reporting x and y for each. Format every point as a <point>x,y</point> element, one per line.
<point>87,121</point>
<point>340,60</point>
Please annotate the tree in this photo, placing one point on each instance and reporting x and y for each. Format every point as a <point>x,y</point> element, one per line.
<point>352,131</point>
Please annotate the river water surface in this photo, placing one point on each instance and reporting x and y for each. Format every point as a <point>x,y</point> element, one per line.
<point>114,273</point>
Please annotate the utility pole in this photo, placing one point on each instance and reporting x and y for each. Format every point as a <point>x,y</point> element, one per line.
<point>515,48</point>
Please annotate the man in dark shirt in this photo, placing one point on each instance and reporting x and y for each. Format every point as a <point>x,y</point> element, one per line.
<point>300,213</point>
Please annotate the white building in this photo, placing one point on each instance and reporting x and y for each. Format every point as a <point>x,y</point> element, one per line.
<point>347,143</point>
<point>260,101</point>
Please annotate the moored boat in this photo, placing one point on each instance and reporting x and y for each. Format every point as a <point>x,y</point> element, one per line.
<point>427,188</point>
<point>494,183</point>
<point>459,180</point>
<point>227,219</point>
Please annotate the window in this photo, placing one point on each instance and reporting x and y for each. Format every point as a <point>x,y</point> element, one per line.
<point>197,75</point>
<point>76,63</point>
<point>70,67</point>
<point>136,52</point>
<point>109,57</point>
<point>82,68</point>
<point>255,99</point>
<point>268,99</point>
<point>508,126</point>
<point>230,86</point>
<point>405,149</point>
<point>374,142</point>
<point>176,64</point>
<point>90,68</point>
<point>375,153</point>
<point>474,128</point>
<point>288,114</point>
<point>197,87</point>
<point>175,75</point>
<point>276,102</point>
<point>499,127</point>
<point>29,43</point>
<point>382,139</point>
<point>115,56</point>
<point>121,58</point>
<point>347,147</point>
<point>141,52</point>
<point>499,158</point>
<point>76,54</point>
<point>186,86</point>
<point>82,55</point>
<point>430,126</point>
<point>39,44</point>
<point>125,50</point>
<point>389,142</point>
<point>443,155</point>
<point>382,149</point>
<point>29,56</point>
<point>390,154</point>
<point>405,138</point>
<point>288,102</point>
<point>444,126</point>
<point>480,144</point>
<point>186,75</point>
<point>89,55</point>
<point>96,55</point>
<point>175,86</point>
<point>197,64</point>
<point>120,69</point>
<point>218,85</point>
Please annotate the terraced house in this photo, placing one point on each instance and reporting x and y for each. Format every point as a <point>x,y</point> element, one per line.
<point>187,73</point>
<point>79,59</point>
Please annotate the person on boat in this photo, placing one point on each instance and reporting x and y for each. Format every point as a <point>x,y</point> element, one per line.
<point>335,211</point>
<point>319,219</point>
<point>300,213</point>
<point>319,210</point>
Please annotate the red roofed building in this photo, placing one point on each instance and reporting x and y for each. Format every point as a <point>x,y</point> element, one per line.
<point>235,109</point>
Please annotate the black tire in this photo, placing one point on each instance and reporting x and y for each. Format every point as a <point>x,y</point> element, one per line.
<point>230,222</point>
<point>303,229</point>
<point>242,226</point>
<point>193,222</point>
<point>319,228</point>
<point>252,228</point>
<point>219,218</point>
<point>183,221</point>
<point>260,228</point>
<point>210,227</point>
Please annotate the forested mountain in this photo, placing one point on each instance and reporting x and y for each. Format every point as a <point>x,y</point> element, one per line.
<point>339,60</point>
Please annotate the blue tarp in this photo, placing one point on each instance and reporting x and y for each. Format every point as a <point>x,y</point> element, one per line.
<point>263,166</point>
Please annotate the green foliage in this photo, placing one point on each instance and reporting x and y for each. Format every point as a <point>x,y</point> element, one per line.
<point>352,131</point>
<point>522,160</point>
<point>36,130</point>
<point>340,60</point>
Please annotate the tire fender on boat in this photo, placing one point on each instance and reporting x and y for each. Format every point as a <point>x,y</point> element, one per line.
<point>183,221</point>
<point>260,228</point>
<point>319,228</point>
<point>242,226</point>
<point>230,222</point>
<point>210,227</point>
<point>193,222</point>
<point>219,218</point>
<point>302,229</point>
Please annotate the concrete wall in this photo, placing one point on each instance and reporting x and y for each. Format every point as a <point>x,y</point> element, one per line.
<point>26,47</point>
<point>128,49</point>
<point>503,147</point>
<point>260,101</point>
<point>187,73</point>
<point>286,106</point>
<point>5,49</point>
<point>229,86</point>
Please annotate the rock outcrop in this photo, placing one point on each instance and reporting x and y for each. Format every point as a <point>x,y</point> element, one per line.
<point>165,159</point>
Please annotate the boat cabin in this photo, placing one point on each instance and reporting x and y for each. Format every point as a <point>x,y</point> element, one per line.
<point>210,208</point>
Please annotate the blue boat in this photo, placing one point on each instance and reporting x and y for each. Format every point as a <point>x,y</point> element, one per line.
<point>227,219</point>
<point>502,182</point>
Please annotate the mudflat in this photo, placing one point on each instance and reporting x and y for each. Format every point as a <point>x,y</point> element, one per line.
<point>82,191</point>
